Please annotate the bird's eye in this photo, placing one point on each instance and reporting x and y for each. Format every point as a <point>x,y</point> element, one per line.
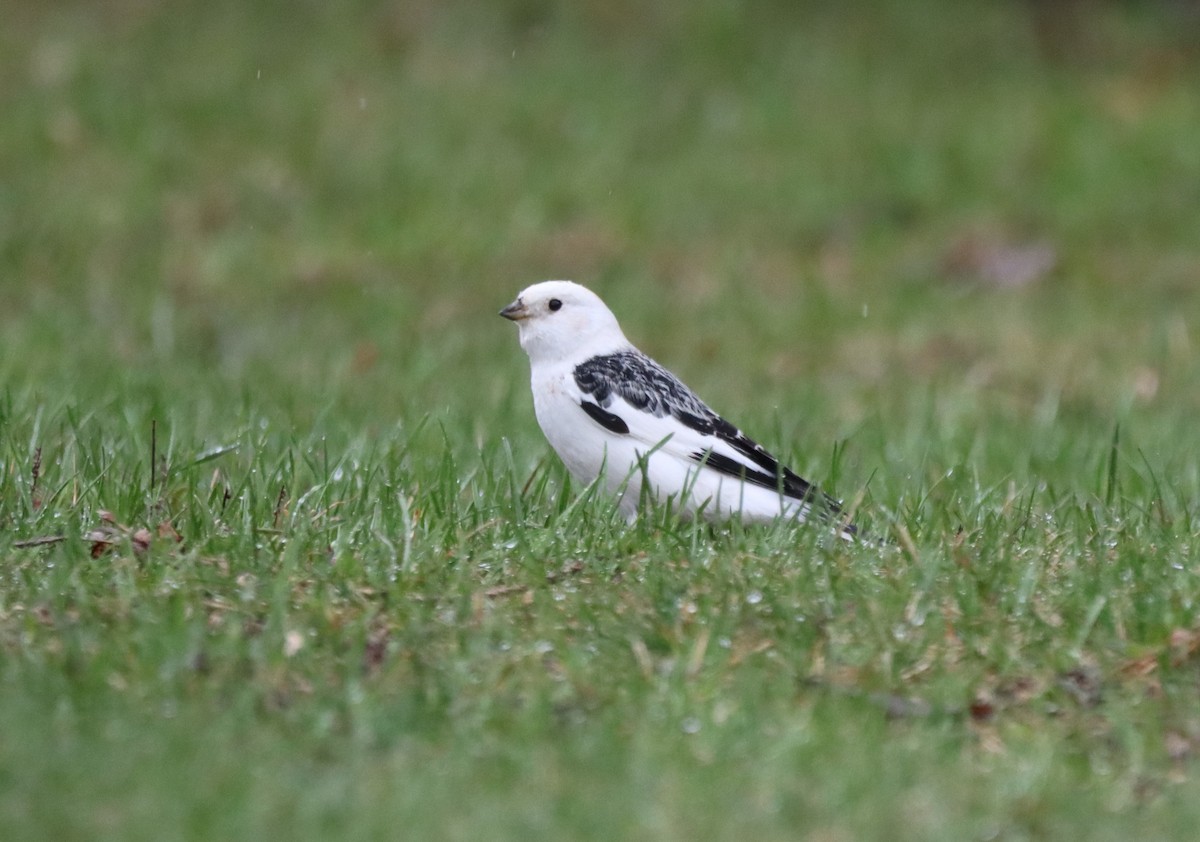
<point>555,304</point>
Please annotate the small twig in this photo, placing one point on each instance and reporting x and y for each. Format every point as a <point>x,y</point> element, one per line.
<point>906,541</point>
<point>1110,491</point>
<point>529,482</point>
<point>42,541</point>
<point>279,504</point>
<point>153,451</point>
<point>35,474</point>
<point>504,590</point>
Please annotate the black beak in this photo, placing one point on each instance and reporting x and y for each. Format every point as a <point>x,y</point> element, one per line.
<point>515,311</point>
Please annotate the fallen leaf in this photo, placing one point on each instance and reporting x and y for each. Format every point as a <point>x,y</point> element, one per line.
<point>293,642</point>
<point>990,260</point>
<point>375,649</point>
<point>141,540</point>
<point>982,706</point>
<point>1177,745</point>
<point>1184,643</point>
<point>1140,667</point>
<point>1083,684</point>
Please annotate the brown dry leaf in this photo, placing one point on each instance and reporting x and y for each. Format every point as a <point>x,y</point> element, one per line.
<point>696,660</point>
<point>1184,643</point>
<point>742,652</point>
<point>44,615</point>
<point>1140,667</point>
<point>903,707</point>
<point>570,568</point>
<point>982,706</point>
<point>994,261</point>
<point>281,509</point>
<point>1178,746</point>
<point>1020,690</point>
<point>641,654</point>
<point>101,542</point>
<point>989,740</point>
<point>141,540</point>
<point>816,668</point>
<point>366,354</point>
<point>1084,684</point>
<point>1145,383</point>
<point>478,608</point>
<point>906,541</point>
<point>845,676</point>
<point>35,474</point>
<point>111,532</point>
<point>103,537</point>
<point>293,642</point>
<point>961,557</point>
<point>201,663</point>
<point>922,665</point>
<point>216,611</point>
<point>375,649</point>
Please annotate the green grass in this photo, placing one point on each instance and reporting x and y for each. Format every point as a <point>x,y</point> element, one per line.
<point>250,259</point>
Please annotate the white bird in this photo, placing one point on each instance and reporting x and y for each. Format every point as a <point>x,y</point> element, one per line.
<point>613,414</point>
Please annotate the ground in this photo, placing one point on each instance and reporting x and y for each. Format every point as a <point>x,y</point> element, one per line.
<point>284,552</point>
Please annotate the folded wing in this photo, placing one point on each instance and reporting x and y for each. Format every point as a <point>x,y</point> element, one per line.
<point>630,394</point>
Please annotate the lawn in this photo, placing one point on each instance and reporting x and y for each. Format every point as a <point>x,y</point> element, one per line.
<point>283,553</point>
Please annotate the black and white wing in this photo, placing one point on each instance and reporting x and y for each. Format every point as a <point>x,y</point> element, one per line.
<point>630,394</point>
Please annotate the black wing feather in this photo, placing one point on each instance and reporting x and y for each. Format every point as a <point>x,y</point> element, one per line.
<point>608,420</point>
<point>647,386</point>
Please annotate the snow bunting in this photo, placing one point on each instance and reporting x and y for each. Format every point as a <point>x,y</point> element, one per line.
<point>611,412</point>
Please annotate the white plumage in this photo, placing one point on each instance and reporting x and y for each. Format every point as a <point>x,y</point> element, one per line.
<point>610,411</point>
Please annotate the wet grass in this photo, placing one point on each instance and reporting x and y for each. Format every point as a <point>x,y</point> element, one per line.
<point>284,553</point>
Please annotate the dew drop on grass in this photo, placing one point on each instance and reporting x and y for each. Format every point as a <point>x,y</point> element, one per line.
<point>724,642</point>
<point>691,725</point>
<point>754,597</point>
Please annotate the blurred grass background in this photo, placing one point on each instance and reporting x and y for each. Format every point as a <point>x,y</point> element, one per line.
<point>243,188</point>
<point>961,239</point>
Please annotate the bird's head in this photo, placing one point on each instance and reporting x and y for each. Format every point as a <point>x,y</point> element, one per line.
<point>563,321</point>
